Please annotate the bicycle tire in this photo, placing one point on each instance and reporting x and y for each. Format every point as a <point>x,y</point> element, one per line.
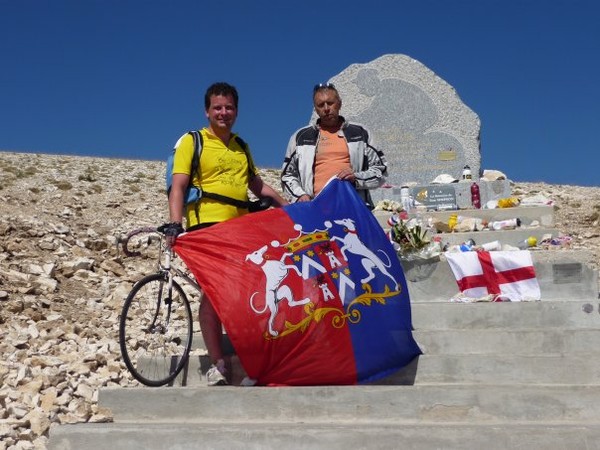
<point>155,342</point>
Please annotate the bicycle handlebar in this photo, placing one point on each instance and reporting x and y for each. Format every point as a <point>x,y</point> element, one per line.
<point>133,233</point>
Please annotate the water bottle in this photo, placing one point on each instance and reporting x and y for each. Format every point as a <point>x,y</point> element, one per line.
<point>475,198</point>
<point>508,224</point>
<point>405,198</point>
<point>531,241</point>
<point>490,246</point>
<point>466,174</point>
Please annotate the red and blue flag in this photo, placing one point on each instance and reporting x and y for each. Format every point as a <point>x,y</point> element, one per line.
<point>310,294</point>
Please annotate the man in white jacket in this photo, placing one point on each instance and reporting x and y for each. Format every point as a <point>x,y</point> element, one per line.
<point>331,147</point>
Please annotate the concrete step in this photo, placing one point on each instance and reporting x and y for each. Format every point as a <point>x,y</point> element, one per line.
<point>499,369</point>
<point>300,436</point>
<point>476,368</point>
<point>510,237</point>
<point>564,274</point>
<point>458,403</point>
<point>481,340</point>
<point>506,315</point>
<point>510,342</point>
<point>544,215</point>
<point>421,416</point>
<point>535,221</point>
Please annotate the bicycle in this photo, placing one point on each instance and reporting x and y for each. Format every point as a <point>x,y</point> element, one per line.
<point>156,324</point>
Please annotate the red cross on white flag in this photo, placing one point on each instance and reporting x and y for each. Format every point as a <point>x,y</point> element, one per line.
<point>506,275</point>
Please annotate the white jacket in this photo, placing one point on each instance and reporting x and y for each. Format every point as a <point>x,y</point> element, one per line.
<point>368,163</point>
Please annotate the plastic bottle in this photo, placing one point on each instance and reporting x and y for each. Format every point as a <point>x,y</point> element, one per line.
<point>475,198</point>
<point>508,224</point>
<point>531,241</point>
<point>405,198</point>
<point>489,246</point>
<point>466,174</point>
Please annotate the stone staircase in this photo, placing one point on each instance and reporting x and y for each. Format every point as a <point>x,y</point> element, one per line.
<point>493,375</point>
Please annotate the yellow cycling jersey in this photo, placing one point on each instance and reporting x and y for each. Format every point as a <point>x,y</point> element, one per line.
<point>222,170</point>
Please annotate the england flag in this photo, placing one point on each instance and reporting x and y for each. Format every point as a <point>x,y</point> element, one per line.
<point>504,275</point>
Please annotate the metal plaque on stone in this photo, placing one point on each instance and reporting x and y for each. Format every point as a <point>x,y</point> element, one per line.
<point>435,198</point>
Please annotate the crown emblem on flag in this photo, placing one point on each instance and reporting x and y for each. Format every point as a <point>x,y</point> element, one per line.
<point>307,240</point>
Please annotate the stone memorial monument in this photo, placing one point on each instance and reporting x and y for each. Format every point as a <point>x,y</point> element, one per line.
<point>414,116</point>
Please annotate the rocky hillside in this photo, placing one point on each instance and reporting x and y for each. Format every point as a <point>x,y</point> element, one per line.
<point>63,278</point>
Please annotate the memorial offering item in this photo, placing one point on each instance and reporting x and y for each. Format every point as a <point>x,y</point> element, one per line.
<point>466,175</point>
<point>475,198</point>
<point>531,241</point>
<point>405,198</point>
<point>508,224</point>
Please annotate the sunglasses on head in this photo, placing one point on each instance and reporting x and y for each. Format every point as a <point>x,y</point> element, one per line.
<point>323,86</point>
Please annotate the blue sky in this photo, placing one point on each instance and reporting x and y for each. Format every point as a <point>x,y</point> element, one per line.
<point>125,78</point>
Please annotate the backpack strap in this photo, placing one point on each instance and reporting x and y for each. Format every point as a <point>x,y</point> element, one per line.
<point>227,200</point>
<point>251,166</point>
<point>198,142</point>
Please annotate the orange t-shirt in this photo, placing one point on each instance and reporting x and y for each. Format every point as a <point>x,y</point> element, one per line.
<point>331,157</point>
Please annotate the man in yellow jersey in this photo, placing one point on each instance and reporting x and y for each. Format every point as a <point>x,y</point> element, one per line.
<point>331,148</point>
<point>225,169</point>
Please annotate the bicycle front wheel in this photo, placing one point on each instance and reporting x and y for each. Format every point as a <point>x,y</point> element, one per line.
<point>155,330</point>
